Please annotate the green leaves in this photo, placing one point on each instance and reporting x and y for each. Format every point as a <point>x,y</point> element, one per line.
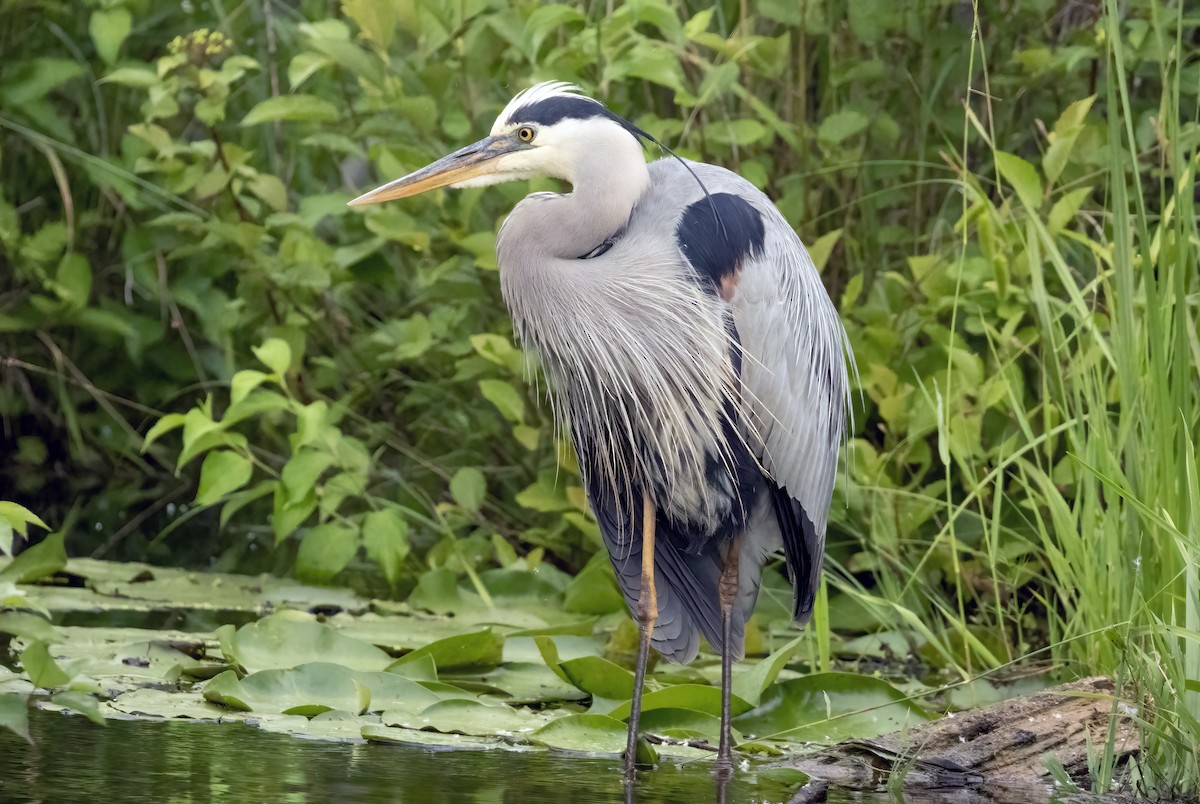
<point>385,535</point>
<point>1023,177</point>
<point>42,559</point>
<point>282,641</point>
<point>109,27</point>
<point>291,108</point>
<point>223,472</point>
<point>468,487</point>
<point>307,690</point>
<point>16,518</point>
<point>826,707</point>
<point>505,397</point>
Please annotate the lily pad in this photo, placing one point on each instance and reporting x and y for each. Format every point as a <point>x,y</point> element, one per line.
<point>481,649</point>
<point>469,717</point>
<point>598,676</point>
<point>392,691</point>
<point>590,735</point>
<point>752,682</point>
<point>289,639</point>
<point>697,697</point>
<point>308,690</point>
<point>827,707</point>
<point>524,683</point>
<point>157,703</point>
<point>434,741</point>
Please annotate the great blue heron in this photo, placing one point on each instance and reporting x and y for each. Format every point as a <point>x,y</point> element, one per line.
<point>693,353</point>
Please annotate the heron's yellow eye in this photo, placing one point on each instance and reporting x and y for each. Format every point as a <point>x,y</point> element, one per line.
<point>525,134</point>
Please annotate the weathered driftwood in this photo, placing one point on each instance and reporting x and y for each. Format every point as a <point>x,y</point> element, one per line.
<point>999,747</point>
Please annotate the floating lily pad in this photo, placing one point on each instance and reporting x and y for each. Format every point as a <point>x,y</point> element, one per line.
<point>696,697</point>
<point>827,707</point>
<point>481,649</point>
<point>683,724</point>
<point>750,683</point>
<point>591,735</point>
<point>333,726</point>
<point>524,683</point>
<point>392,691</point>
<point>157,703</point>
<point>598,676</point>
<point>289,639</point>
<point>431,740</point>
<point>305,690</point>
<point>469,717</point>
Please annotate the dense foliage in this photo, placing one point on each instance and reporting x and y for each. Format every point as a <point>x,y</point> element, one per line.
<point>208,358</point>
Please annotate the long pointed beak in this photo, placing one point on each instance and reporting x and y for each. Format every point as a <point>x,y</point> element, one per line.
<point>477,159</point>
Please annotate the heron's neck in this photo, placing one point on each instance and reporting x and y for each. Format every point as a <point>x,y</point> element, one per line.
<point>604,191</point>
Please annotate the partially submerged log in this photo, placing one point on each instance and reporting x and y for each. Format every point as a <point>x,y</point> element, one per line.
<point>1002,746</point>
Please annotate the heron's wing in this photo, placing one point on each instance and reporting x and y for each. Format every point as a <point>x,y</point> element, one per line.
<point>685,582</point>
<point>794,385</point>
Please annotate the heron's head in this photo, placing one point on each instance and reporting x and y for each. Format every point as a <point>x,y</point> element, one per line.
<point>547,130</point>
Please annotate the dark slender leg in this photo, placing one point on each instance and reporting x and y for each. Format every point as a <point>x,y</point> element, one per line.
<point>728,594</point>
<point>647,616</point>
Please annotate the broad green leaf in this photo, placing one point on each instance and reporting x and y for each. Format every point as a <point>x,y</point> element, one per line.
<point>27,625</point>
<point>1023,177</point>
<point>697,697</point>
<point>822,247</point>
<point>375,18</point>
<point>468,487</point>
<point>307,108</point>
<point>583,734</point>
<point>308,690</point>
<point>42,559</point>
<point>275,354</point>
<point>14,714</point>
<point>827,707</point>
<point>505,397</point>
<point>131,77</point>
<point>287,640</point>
<point>243,383</point>
<point>302,470</point>
<point>325,551</point>
<point>599,677</point>
<point>221,473</point>
<point>385,535</point>
<point>437,591</point>
<point>19,518</point>
<point>40,666</point>
<point>377,733</point>
<point>80,702</point>
<point>172,421</point>
<point>465,716</point>
<point>594,590</point>
<point>750,684</point>
<point>73,280</point>
<point>841,126</point>
<point>109,27</point>
<point>480,649</point>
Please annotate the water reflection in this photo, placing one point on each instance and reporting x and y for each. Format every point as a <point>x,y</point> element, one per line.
<point>73,760</point>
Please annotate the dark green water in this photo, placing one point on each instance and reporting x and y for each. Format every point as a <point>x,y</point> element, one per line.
<point>73,760</point>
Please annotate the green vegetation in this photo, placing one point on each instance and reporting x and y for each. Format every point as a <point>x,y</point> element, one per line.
<point>208,360</point>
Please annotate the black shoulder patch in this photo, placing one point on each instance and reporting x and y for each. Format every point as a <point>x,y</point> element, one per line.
<point>716,234</point>
<point>567,107</point>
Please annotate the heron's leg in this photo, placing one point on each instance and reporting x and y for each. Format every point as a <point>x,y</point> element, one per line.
<point>728,595</point>
<point>647,616</point>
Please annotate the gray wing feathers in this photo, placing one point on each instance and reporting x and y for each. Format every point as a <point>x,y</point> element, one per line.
<point>685,582</point>
<point>793,370</point>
